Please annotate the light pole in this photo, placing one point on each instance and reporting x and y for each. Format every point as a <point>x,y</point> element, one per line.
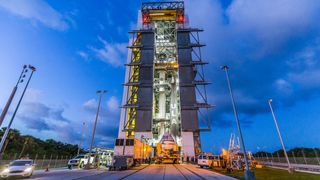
<point>100,92</point>
<point>5,145</point>
<point>248,174</point>
<point>79,146</point>
<point>13,92</point>
<point>4,137</point>
<point>290,169</point>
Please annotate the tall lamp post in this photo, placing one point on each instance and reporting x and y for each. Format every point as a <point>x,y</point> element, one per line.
<point>248,175</point>
<point>6,144</point>
<point>100,92</point>
<point>13,92</point>
<point>290,169</point>
<point>4,137</point>
<point>79,146</point>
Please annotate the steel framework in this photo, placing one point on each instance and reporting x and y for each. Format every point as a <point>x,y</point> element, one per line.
<point>199,81</point>
<point>165,41</point>
<point>133,86</point>
<point>176,96</point>
<point>170,9</point>
<point>173,5</point>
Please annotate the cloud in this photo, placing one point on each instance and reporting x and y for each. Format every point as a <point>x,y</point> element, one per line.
<point>111,53</point>
<point>106,141</point>
<point>90,105</point>
<point>112,106</point>
<point>271,48</point>
<point>308,79</point>
<point>272,17</point>
<point>83,55</point>
<point>108,122</point>
<point>284,86</point>
<point>37,124</point>
<point>37,11</point>
<point>48,121</point>
<point>38,116</point>
<point>35,109</point>
<point>57,114</point>
<point>32,95</point>
<point>34,117</point>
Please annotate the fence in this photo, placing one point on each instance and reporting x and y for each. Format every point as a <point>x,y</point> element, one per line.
<point>293,160</point>
<point>298,163</point>
<point>42,161</point>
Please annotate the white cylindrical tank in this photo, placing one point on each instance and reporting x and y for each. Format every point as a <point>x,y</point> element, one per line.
<point>162,96</point>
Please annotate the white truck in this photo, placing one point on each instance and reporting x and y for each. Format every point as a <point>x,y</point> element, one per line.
<point>80,160</point>
<point>205,160</point>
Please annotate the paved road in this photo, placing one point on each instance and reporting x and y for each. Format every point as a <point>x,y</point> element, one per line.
<point>176,172</point>
<point>147,172</point>
<point>62,174</point>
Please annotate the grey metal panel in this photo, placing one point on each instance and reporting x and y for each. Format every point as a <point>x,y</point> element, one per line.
<point>189,120</point>
<point>143,121</point>
<point>146,56</point>
<point>145,95</point>
<point>147,39</point>
<point>189,114</point>
<point>187,96</point>
<point>186,75</point>
<point>145,91</point>
<point>183,38</point>
<point>145,75</point>
<point>184,56</point>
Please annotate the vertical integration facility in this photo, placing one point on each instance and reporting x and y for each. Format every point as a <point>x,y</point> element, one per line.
<point>164,95</point>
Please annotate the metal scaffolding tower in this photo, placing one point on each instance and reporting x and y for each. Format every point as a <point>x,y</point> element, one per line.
<point>165,88</point>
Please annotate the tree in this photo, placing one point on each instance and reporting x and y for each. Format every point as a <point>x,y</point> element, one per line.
<point>32,146</point>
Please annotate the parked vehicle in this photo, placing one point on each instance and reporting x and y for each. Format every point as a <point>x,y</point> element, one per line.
<point>218,161</point>
<point>18,168</point>
<point>205,160</point>
<point>122,162</point>
<point>80,161</point>
<point>104,156</point>
<point>167,150</point>
<point>128,151</point>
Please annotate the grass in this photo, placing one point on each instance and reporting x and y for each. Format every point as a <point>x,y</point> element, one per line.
<point>270,174</point>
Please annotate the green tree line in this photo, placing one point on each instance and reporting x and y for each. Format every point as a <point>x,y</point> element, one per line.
<point>17,145</point>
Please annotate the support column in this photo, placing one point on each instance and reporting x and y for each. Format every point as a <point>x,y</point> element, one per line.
<point>187,145</point>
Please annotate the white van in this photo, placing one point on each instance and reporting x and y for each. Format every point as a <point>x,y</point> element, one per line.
<point>205,160</point>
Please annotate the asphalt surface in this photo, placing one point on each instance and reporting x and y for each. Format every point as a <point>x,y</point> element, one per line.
<point>150,172</point>
<point>63,174</point>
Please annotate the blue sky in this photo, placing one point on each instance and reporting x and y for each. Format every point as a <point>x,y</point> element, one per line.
<point>272,49</point>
